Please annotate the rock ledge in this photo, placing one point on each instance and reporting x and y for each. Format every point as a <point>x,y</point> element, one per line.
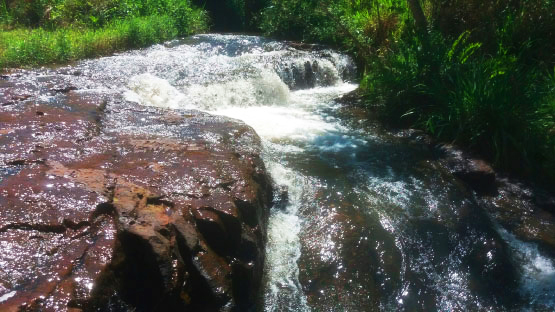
<point>105,205</point>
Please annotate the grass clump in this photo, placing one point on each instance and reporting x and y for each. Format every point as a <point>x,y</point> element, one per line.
<point>489,88</point>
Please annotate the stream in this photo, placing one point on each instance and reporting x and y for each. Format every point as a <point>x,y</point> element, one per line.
<point>365,219</point>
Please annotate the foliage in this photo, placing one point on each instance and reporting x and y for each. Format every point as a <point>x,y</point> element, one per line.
<point>53,14</point>
<point>233,15</point>
<point>53,31</point>
<point>490,95</point>
<point>40,46</point>
<point>299,19</point>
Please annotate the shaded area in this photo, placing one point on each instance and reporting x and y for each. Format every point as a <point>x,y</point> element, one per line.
<point>232,15</point>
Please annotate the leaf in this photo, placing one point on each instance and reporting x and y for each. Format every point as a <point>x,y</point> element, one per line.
<point>462,38</point>
<point>469,51</point>
<point>408,113</point>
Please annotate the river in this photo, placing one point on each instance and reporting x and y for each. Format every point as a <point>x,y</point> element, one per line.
<point>365,219</point>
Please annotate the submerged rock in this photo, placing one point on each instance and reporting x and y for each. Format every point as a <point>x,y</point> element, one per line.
<point>105,205</point>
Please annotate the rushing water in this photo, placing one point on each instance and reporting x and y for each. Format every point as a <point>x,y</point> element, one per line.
<point>364,219</point>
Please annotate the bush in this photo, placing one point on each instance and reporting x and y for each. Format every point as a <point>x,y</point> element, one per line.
<point>499,103</point>
<point>299,19</point>
<point>39,46</point>
<point>72,29</point>
<point>53,14</point>
<point>233,15</point>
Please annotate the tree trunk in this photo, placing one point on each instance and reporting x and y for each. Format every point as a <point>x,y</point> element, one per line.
<point>418,15</point>
<point>422,31</point>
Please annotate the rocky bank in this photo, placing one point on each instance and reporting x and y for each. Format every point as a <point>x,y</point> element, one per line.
<point>108,205</point>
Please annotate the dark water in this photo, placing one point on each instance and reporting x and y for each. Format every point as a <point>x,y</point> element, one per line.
<point>367,219</point>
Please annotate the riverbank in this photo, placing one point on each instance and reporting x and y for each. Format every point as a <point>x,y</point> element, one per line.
<point>95,31</point>
<point>471,73</point>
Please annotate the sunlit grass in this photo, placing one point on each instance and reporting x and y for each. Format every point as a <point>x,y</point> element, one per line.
<point>33,47</point>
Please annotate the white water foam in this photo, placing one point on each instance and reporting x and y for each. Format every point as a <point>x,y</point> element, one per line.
<point>149,90</point>
<point>278,123</point>
<point>537,272</point>
<point>7,296</point>
<point>283,248</point>
<point>265,90</point>
<point>293,120</point>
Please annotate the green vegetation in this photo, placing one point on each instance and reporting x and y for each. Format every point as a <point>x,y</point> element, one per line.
<point>53,31</point>
<point>477,73</point>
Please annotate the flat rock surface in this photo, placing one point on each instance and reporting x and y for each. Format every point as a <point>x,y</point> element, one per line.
<point>108,205</point>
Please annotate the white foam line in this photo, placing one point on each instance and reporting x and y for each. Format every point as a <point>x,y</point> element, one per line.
<point>7,296</point>
<point>538,272</point>
<point>283,249</point>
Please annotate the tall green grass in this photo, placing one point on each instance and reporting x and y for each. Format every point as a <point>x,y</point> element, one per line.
<point>492,104</point>
<point>83,34</point>
<point>39,46</point>
<point>496,98</point>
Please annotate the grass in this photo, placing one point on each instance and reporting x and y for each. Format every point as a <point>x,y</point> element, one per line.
<point>22,47</point>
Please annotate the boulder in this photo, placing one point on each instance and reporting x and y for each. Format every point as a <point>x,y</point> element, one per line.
<point>475,173</point>
<point>105,205</point>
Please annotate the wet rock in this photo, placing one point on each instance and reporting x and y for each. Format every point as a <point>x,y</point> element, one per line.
<point>302,76</point>
<point>12,92</point>
<point>545,201</point>
<point>56,83</point>
<point>354,98</point>
<point>56,239</point>
<point>128,208</point>
<point>524,210</point>
<point>305,46</point>
<point>418,137</point>
<point>476,173</point>
<point>347,262</point>
<point>49,271</point>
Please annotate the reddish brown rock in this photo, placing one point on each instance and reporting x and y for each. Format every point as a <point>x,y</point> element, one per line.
<point>51,271</point>
<point>345,261</point>
<point>521,209</point>
<point>134,208</point>
<point>476,173</point>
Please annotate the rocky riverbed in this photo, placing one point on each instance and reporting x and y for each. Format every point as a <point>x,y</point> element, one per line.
<point>125,185</point>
